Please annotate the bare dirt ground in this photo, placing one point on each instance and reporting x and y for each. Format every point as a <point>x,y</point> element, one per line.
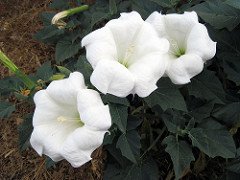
<point>19,20</point>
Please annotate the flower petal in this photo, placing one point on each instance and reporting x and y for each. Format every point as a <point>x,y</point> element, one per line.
<point>200,43</point>
<point>147,72</point>
<point>65,91</point>
<point>48,139</point>
<point>79,146</point>
<point>182,69</point>
<point>113,78</point>
<point>100,45</point>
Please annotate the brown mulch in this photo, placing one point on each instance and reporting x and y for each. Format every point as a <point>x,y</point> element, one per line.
<point>19,20</point>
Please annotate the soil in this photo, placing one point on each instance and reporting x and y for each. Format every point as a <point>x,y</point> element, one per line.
<point>19,21</point>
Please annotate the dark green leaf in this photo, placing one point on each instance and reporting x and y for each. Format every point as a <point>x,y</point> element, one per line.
<point>201,87</point>
<point>48,34</point>
<point>167,96</point>
<point>130,145</point>
<point>218,14</point>
<point>119,114</point>
<point>231,65</point>
<point>85,68</point>
<point>6,109</point>
<point>25,131</point>
<point>234,167</point>
<point>230,114</point>
<point>112,7</point>
<point>133,122</point>
<point>65,49</point>
<point>213,142</point>
<point>45,71</point>
<point>59,4</point>
<point>202,112</point>
<point>181,154</point>
<point>108,98</point>
<point>64,70</point>
<point>233,3</point>
<point>166,3</point>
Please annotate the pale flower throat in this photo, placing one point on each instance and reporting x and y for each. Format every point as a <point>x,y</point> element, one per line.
<point>125,61</point>
<point>64,119</point>
<point>176,49</point>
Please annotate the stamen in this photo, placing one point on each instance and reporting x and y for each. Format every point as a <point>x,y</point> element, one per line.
<point>127,56</point>
<point>63,119</point>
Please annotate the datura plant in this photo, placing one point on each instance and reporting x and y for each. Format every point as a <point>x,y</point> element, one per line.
<point>153,84</point>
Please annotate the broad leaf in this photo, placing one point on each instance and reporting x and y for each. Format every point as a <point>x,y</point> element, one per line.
<point>130,145</point>
<point>214,141</point>
<point>233,3</point>
<point>65,49</point>
<point>119,114</point>
<point>85,68</point>
<point>167,96</point>
<point>25,130</point>
<point>108,98</point>
<point>230,114</point>
<point>181,155</point>
<point>231,65</point>
<point>166,3</point>
<point>218,14</point>
<point>6,109</point>
<point>202,87</point>
<point>45,71</point>
<point>112,7</point>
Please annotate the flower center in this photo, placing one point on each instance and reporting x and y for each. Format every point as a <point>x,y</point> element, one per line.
<point>175,49</point>
<point>64,119</point>
<point>125,61</point>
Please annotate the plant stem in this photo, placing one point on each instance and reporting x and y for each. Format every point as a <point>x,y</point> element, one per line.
<point>77,10</point>
<point>13,68</point>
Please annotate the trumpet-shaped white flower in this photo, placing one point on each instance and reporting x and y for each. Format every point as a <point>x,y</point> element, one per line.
<point>126,55</point>
<point>69,121</point>
<point>190,44</point>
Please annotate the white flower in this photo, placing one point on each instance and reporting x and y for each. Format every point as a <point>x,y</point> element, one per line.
<point>69,121</point>
<point>190,44</point>
<point>126,55</point>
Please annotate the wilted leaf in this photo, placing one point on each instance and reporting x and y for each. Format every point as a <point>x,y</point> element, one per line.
<point>181,155</point>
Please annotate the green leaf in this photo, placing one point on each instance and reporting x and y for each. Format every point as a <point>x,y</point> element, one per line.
<point>25,130</point>
<point>203,111</point>
<point>147,170</point>
<point>108,98</point>
<point>59,4</point>
<point>119,114</point>
<point>218,14</point>
<point>201,87</point>
<point>173,120</point>
<point>233,3</point>
<point>166,3</point>
<point>214,141</point>
<point>234,167</point>
<point>85,68</point>
<point>112,7</point>
<point>65,49</point>
<point>231,65</point>
<point>6,109</point>
<point>45,71</point>
<point>167,96</point>
<point>133,122</point>
<point>230,114</point>
<point>64,70</point>
<point>130,145</point>
<point>48,34</point>
<point>181,155</point>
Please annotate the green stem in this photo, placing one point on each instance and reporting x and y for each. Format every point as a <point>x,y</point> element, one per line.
<point>77,10</point>
<point>12,67</point>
